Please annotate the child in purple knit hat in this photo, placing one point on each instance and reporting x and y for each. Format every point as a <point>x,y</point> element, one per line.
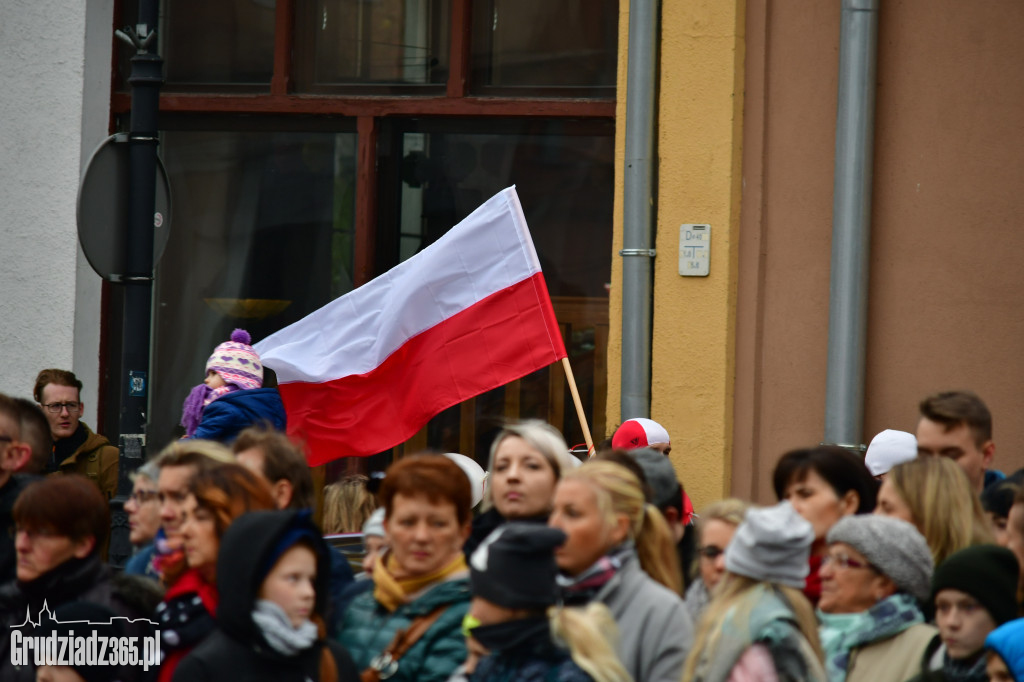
<point>232,396</point>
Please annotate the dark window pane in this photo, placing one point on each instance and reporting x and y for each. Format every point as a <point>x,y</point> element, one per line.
<point>262,235</point>
<point>383,42</point>
<point>207,43</point>
<point>564,174</point>
<point>554,47</point>
<point>564,181</point>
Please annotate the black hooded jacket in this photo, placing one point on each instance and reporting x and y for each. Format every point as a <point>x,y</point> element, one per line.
<point>237,649</point>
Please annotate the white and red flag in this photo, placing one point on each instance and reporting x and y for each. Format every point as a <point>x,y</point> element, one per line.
<point>469,313</point>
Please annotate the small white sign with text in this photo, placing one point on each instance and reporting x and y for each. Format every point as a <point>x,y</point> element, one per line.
<point>694,249</point>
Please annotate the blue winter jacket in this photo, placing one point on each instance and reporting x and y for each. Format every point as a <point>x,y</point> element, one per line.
<point>228,415</point>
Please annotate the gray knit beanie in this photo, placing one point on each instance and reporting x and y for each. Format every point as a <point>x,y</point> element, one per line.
<point>893,546</point>
<point>773,545</point>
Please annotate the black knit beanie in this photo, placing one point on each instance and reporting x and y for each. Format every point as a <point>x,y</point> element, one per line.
<point>986,572</point>
<point>515,566</point>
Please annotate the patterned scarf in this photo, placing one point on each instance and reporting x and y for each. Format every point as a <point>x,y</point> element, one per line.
<point>583,588</point>
<point>841,633</point>
<point>391,592</point>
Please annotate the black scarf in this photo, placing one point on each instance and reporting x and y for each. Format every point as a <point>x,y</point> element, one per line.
<point>65,447</point>
<point>513,636</point>
<point>60,585</point>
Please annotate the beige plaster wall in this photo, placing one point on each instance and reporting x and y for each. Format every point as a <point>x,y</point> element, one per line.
<point>699,146</point>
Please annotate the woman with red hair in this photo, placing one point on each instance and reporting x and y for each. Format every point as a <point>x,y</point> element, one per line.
<point>409,627</point>
<point>216,498</point>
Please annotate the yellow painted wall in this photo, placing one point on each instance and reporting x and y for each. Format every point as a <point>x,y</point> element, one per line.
<point>700,106</point>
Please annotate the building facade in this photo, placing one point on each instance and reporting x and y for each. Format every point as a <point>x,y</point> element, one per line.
<point>313,144</point>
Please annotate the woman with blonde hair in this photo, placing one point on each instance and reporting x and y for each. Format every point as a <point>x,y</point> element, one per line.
<point>620,552</point>
<point>526,461</point>
<point>347,505</point>
<point>933,494</point>
<point>760,626</point>
<point>716,525</point>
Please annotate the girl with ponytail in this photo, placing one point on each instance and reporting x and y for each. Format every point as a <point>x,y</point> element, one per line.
<point>620,552</point>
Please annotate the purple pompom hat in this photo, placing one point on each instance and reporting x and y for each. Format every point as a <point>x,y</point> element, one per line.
<point>237,362</point>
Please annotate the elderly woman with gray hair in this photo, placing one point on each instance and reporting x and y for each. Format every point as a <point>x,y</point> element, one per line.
<point>875,576</point>
<point>143,510</point>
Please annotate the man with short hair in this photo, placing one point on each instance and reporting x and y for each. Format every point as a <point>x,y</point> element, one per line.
<point>273,456</point>
<point>14,453</point>
<point>76,449</point>
<point>958,425</point>
<point>973,592</point>
<point>35,432</point>
<point>179,463</point>
<point>282,464</point>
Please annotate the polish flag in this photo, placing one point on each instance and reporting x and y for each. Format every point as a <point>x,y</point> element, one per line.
<point>469,313</point>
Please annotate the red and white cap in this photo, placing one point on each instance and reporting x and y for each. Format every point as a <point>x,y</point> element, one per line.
<point>639,433</point>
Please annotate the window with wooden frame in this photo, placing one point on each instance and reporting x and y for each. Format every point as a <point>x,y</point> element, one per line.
<point>314,144</point>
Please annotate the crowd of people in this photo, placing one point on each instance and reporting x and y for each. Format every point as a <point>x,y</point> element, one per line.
<point>901,564</point>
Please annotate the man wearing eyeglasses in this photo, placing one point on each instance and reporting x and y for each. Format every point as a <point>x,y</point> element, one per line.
<point>76,449</point>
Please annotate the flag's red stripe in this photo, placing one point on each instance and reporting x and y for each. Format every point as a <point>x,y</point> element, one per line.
<point>499,339</point>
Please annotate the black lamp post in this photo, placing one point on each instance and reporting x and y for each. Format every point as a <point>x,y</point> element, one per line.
<point>136,284</point>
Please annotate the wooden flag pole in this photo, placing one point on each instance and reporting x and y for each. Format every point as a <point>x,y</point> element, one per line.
<point>579,405</point>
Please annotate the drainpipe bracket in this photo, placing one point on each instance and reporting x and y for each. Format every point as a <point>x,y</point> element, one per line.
<point>856,447</point>
<point>649,253</point>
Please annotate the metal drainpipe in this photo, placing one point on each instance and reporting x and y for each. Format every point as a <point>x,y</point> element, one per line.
<point>638,210</point>
<point>851,223</point>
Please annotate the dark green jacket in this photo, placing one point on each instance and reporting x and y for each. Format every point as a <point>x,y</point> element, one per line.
<point>368,628</point>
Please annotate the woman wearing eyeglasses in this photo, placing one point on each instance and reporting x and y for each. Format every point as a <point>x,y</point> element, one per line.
<point>715,526</point>
<point>875,575</point>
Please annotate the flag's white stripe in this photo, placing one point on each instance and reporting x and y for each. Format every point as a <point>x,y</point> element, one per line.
<point>488,251</point>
